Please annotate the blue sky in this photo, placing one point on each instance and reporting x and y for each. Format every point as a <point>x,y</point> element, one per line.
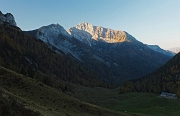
<point>149,21</point>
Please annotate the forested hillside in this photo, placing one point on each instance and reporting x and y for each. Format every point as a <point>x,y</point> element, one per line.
<point>31,57</point>
<point>166,78</point>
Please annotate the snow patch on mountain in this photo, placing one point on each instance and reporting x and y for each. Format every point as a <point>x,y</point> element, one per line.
<point>9,18</point>
<point>50,33</point>
<point>88,33</point>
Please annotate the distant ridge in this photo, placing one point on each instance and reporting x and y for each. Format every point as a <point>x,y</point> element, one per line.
<point>175,50</point>
<point>160,50</point>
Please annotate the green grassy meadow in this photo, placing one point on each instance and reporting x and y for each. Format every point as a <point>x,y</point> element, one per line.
<point>131,103</point>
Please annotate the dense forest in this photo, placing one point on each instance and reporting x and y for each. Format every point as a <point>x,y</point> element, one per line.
<point>31,57</point>
<point>166,78</point>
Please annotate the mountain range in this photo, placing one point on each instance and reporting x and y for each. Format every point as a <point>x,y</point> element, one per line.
<point>114,56</point>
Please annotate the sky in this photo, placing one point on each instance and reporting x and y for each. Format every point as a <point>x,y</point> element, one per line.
<point>154,22</point>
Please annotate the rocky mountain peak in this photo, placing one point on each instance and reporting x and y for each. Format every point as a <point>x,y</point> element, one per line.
<point>85,26</point>
<point>9,18</point>
<point>87,32</point>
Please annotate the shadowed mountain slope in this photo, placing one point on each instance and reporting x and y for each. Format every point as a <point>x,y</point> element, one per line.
<point>166,78</point>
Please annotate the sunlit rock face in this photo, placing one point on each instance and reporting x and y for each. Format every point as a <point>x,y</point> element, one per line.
<point>86,33</point>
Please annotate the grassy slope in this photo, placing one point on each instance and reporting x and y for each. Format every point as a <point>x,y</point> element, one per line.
<point>131,103</point>
<point>10,106</point>
<point>46,100</point>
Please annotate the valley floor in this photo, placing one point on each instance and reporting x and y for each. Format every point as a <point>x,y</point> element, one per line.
<point>129,103</point>
<point>39,99</point>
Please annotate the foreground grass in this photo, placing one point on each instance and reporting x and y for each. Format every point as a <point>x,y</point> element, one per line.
<point>43,99</point>
<point>12,107</point>
<point>130,103</point>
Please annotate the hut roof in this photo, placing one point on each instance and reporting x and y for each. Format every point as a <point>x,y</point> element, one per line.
<point>168,94</point>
